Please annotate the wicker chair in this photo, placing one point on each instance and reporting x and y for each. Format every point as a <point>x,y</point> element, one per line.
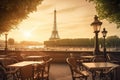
<point>10,72</point>
<point>99,58</point>
<point>27,72</point>
<point>75,71</point>
<point>3,75</point>
<point>106,74</point>
<point>43,70</point>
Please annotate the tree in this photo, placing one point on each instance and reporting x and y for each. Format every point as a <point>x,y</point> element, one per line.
<point>113,41</point>
<point>109,10</point>
<point>13,12</point>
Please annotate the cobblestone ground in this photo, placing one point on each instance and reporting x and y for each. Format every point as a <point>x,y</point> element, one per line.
<point>61,72</point>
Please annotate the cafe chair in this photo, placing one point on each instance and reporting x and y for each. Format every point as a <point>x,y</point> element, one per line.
<point>3,75</point>
<point>79,62</point>
<point>99,58</point>
<point>10,71</point>
<point>16,56</point>
<point>107,74</point>
<point>75,71</point>
<point>108,57</point>
<point>27,73</point>
<point>19,58</point>
<point>43,70</point>
<point>7,62</point>
<point>7,75</point>
<point>46,58</point>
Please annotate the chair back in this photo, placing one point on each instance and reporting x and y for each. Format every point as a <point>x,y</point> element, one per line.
<point>42,70</point>
<point>47,64</point>
<point>117,73</point>
<point>8,61</point>
<point>27,72</point>
<point>72,61</point>
<point>17,56</point>
<point>75,70</point>
<point>99,59</point>
<point>3,75</point>
<point>72,64</point>
<point>46,58</point>
<point>9,70</point>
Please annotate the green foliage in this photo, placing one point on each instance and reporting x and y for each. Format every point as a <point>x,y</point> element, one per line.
<point>13,12</point>
<point>109,10</point>
<point>83,42</point>
<point>111,41</point>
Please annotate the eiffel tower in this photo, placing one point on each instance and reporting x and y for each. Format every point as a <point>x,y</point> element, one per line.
<point>54,35</point>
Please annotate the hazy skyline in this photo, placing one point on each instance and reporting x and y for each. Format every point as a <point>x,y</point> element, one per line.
<point>73,21</point>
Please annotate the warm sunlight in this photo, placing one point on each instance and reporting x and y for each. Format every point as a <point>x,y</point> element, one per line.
<point>27,34</point>
<point>73,21</point>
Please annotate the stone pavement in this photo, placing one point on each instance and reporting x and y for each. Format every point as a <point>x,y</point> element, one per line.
<point>60,71</point>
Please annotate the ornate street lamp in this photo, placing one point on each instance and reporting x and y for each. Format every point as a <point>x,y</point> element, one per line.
<point>96,27</point>
<point>104,32</point>
<point>6,48</point>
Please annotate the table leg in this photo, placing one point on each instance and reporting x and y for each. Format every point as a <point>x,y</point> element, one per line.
<point>42,73</point>
<point>93,75</point>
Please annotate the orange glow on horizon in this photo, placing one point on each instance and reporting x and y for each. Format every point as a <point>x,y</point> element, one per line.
<point>73,21</point>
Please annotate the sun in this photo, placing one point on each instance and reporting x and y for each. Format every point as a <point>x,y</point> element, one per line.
<point>27,34</point>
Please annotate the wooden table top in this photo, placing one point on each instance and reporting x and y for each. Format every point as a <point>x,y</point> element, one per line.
<point>25,63</point>
<point>34,56</point>
<point>87,56</point>
<point>99,65</point>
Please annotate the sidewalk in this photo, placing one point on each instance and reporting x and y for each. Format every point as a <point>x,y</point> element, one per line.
<point>61,71</point>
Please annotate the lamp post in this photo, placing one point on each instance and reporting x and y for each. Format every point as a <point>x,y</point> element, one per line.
<point>104,32</point>
<point>6,48</point>
<point>96,27</point>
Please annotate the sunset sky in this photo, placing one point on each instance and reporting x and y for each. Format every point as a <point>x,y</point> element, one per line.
<point>73,21</point>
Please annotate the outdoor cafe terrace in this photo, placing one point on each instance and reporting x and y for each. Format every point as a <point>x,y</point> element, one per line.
<point>59,67</point>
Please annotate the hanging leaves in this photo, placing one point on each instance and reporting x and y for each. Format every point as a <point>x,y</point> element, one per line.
<point>13,12</point>
<point>109,10</point>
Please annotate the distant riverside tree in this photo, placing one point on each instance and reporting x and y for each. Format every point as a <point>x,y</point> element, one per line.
<point>13,12</point>
<point>111,41</point>
<point>11,41</point>
<point>82,42</point>
<point>109,10</point>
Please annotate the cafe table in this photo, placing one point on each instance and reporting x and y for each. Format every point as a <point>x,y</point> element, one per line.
<point>87,58</point>
<point>34,58</point>
<point>25,63</point>
<point>2,56</point>
<point>94,66</point>
<point>2,59</point>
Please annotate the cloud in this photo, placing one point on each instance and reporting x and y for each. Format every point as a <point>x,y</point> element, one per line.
<point>70,9</point>
<point>44,7</point>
